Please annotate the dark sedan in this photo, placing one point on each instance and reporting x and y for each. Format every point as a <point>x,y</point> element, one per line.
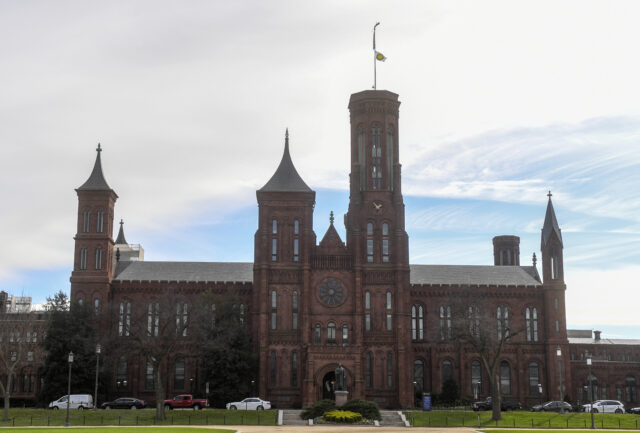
<point>552,406</point>
<point>124,403</point>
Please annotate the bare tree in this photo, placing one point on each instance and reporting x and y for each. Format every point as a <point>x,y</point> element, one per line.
<point>17,333</point>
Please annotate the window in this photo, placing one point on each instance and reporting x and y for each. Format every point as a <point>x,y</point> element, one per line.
<point>213,315</point>
<point>534,379</point>
<point>317,334</point>
<point>632,392</point>
<point>124,319</point>
<point>376,152</point>
<point>557,326</point>
<point>445,322</point>
<point>153,319</point>
<point>554,267</point>
<point>178,378</point>
<point>83,258</point>
<point>32,383</point>
<point>121,375</point>
<point>385,243</point>
<point>505,378</point>
<point>272,368</point>
<point>390,156</point>
<point>296,240</point>
<point>473,317</point>
<point>294,310</point>
<point>389,370</point>
<point>294,369</point>
<point>86,221</point>
<point>531,319</point>
<point>417,322</point>
<point>367,311</point>
<point>447,371</point>
<point>502,318</point>
<point>96,305</point>
<point>274,226</point>
<point>34,337</point>
<point>100,221</point>
<point>476,377</point>
<point>362,143</point>
<point>182,318</point>
<point>345,335</point>
<point>14,356</point>
<point>274,310</point>
<point>98,258</point>
<point>389,320</point>
<point>148,382</point>
<point>30,356</point>
<point>274,250</point>
<point>418,377</point>
<point>367,370</point>
<point>555,303</point>
<point>369,242</point>
<point>331,332</point>
<point>241,318</point>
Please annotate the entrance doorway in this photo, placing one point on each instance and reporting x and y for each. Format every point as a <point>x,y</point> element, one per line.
<point>328,386</point>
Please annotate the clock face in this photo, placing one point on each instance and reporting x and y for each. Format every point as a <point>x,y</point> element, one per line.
<point>331,292</point>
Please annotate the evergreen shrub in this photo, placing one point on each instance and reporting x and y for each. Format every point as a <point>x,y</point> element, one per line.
<point>368,409</point>
<point>318,409</point>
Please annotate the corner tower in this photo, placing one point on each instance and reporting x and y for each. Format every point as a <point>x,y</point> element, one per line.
<point>93,252</point>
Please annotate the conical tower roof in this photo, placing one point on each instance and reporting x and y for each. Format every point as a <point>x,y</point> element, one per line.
<point>286,177</point>
<point>121,240</point>
<point>550,224</point>
<point>96,181</point>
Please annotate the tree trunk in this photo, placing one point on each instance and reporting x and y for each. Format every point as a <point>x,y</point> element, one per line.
<point>7,397</point>
<point>496,414</point>
<point>160,415</point>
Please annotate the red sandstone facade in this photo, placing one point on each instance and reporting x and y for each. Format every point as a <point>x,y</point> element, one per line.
<point>313,305</point>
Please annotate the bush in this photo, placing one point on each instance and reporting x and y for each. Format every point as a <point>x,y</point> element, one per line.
<point>317,409</point>
<point>368,409</point>
<point>343,416</point>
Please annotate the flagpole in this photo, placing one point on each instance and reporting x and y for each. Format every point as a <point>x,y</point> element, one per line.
<point>374,56</point>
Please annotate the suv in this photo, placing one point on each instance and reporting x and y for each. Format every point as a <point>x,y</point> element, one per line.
<point>604,406</point>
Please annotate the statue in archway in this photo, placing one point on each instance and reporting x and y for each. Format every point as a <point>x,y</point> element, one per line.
<point>341,379</point>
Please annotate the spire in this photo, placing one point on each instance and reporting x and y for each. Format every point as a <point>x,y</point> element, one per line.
<point>121,240</point>
<point>286,177</point>
<point>550,224</point>
<point>331,217</point>
<point>96,181</point>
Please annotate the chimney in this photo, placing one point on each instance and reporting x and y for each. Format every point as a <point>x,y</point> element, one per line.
<point>597,335</point>
<point>506,250</point>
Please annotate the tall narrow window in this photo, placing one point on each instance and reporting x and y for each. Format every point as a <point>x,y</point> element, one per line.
<point>345,335</point>
<point>417,322</point>
<point>241,314</point>
<point>121,371</point>
<point>389,316</point>
<point>445,322</point>
<point>274,310</point>
<point>272,368</point>
<point>124,319</point>
<point>505,378</point>
<point>96,305</point>
<point>294,310</point>
<point>213,315</point>
<point>331,332</point>
<point>98,258</point>
<point>502,319</point>
<point>390,157</point>
<point>274,250</point>
<point>385,243</point>
<point>274,226</point>
<point>367,311</point>
<point>376,153</point>
<point>473,317</point>
<point>418,377</point>
<point>86,221</point>
<point>362,144</point>
<point>148,382</point>
<point>630,387</point>
<point>100,221</point>
<point>527,320</point>
<point>534,379</point>
<point>153,319</point>
<point>367,370</point>
<point>83,258</point>
<point>554,267</point>
<point>369,242</point>
<point>447,370</point>
<point>476,377</point>
<point>182,319</point>
<point>294,369</point>
<point>178,379</point>
<point>296,240</point>
<point>389,370</point>
<point>317,334</point>
<point>531,323</point>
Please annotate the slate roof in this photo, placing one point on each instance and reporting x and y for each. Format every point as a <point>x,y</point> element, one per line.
<point>626,341</point>
<point>475,275</point>
<point>96,180</point>
<point>185,271</point>
<point>550,224</point>
<point>286,177</point>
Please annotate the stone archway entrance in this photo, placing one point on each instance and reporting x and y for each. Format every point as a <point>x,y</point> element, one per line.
<point>328,388</point>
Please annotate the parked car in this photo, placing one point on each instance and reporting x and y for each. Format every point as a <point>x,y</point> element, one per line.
<point>604,406</point>
<point>487,405</point>
<point>552,406</point>
<point>251,403</point>
<point>78,401</point>
<point>124,403</point>
<point>635,410</point>
<point>185,401</point>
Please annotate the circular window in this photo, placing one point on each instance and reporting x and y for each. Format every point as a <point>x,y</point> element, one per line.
<point>331,292</point>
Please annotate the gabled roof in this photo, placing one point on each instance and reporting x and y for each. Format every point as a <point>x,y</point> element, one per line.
<point>185,271</point>
<point>286,177</point>
<point>96,180</point>
<point>550,224</point>
<point>475,275</point>
<point>120,239</point>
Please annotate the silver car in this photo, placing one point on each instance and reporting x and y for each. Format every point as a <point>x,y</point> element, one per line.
<point>604,406</point>
<point>251,403</point>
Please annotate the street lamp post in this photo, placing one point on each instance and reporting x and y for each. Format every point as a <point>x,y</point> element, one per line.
<point>540,392</point>
<point>95,395</point>
<point>70,360</point>
<point>590,391</point>
<point>559,353</point>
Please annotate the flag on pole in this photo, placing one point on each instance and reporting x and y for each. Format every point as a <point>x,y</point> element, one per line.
<point>380,57</point>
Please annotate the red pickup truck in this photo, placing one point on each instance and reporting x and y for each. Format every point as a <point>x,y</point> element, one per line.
<point>185,401</point>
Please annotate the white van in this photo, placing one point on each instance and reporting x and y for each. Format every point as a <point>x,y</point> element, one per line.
<point>78,401</point>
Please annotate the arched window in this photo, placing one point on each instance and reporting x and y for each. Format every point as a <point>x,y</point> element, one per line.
<point>389,315</point>
<point>294,310</point>
<point>418,377</point>
<point>554,267</point>
<point>447,370</point>
<point>417,322</point>
<point>100,221</point>
<point>296,240</point>
<point>534,379</point>
<point>86,221</point>
<point>389,370</point>
<point>390,157</point>
<point>345,335</point>
<point>182,319</point>
<point>96,305</point>
<point>531,318</point>
<point>476,378</point>
<point>505,378</point>
<point>361,156</point>
<point>369,242</point>
<point>632,393</point>
<point>213,316</point>
<point>376,153</point>
<point>274,226</point>
<point>242,314</point>
<point>317,334</point>
<point>294,369</point>
<point>83,258</point>
<point>98,258</point>
<point>148,382</point>
<point>124,319</point>
<point>367,311</point>
<point>445,322</point>
<point>367,370</point>
<point>272,368</point>
<point>473,317</point>
<point>274,240</point>
<point>385,243</point>
<point>502,318</point>
<point>121,371</point>
<point>331,332</point>
<point>153,319</point>
<point>274,310</point>
<point>178,379</point>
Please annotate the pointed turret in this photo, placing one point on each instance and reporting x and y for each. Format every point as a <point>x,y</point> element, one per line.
<point>96,181</point>
<point>551,246</point>
<point>550,224</point>
<point>121,239</point>
<point>286,177</point>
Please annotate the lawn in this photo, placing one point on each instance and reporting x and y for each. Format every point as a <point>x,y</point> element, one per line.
<point>43,417</point>
<point>123,430</point>
<point>522,419</point>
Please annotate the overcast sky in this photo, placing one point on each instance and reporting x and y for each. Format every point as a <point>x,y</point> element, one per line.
<point>501,101</point>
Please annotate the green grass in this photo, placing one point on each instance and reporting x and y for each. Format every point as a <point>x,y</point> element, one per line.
<point>124,430</point>
<point>522,420</point>
<point>531,431</point>
<point>43,417</point>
